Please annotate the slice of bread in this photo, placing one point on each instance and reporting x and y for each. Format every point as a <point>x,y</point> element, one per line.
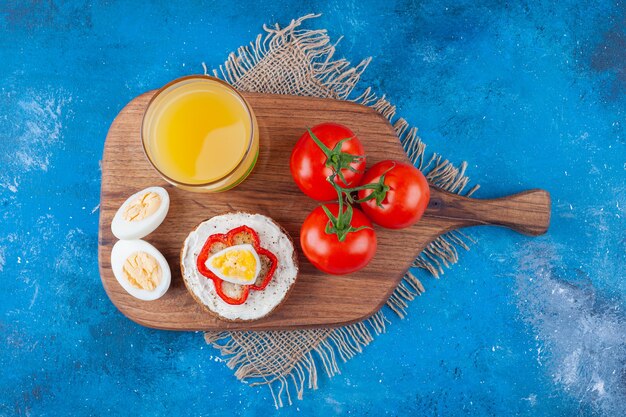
<point>259,303</point>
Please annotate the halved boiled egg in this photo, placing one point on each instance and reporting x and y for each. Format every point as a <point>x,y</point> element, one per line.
<point>141,213</point>
<point>239,264</point>
<point>140,269</point>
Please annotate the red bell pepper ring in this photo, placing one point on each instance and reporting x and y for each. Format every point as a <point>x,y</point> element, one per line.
<point>219,284</point>
<point>270,272</point>
<point>230,239</point>
<point>259,250</point>
<point>203,256</point>
<point>232,234</point>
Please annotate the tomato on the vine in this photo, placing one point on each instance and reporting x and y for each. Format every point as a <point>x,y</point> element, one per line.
<point>394,194</point>
<point>322,151</point>
<point>338,244</point>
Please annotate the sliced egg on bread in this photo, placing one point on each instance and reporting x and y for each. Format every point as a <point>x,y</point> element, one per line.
<point>239,264</point>
<point>140,269</point>
<point>259,304</point>
<point>141,213</point>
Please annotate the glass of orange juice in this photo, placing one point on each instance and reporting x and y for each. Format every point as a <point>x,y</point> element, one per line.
<point>200,134</point>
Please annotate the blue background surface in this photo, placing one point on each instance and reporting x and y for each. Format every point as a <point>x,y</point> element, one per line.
<point>530,93</point>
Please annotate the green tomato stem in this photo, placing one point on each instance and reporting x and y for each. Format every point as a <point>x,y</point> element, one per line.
<point>336,159</point>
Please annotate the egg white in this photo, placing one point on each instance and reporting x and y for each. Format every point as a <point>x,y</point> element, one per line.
<point>123,229</point>
<point>125,248</point>
<point>235,280</point>
<point>259,303</point>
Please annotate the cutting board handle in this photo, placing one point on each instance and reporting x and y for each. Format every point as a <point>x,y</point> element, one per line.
<point>527,212</point>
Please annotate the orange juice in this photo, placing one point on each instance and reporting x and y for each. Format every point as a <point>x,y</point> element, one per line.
<point>200,134</point>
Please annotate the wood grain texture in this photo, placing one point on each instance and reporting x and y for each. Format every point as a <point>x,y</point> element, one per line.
<point>316,300</point>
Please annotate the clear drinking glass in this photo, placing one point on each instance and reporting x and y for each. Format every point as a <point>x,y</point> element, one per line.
<point>200,124</point>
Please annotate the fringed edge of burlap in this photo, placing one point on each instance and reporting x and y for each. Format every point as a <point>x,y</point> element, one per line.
<point>339,78</point>
<point>441,252</point>
<point>330,345</point>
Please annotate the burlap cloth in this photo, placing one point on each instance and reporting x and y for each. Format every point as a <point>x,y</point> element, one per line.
<point>297,61</point>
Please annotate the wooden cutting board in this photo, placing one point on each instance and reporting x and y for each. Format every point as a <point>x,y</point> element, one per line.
<point>317,300</point>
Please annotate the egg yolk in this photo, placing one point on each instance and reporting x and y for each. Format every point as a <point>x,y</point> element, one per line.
<point>143,206</point>
<point>142,271</point>
<point>237,263</point>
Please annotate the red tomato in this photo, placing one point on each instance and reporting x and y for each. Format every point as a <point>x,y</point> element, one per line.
<point>330,255</point>
<point>400,199</point>
<point>311,165</point>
